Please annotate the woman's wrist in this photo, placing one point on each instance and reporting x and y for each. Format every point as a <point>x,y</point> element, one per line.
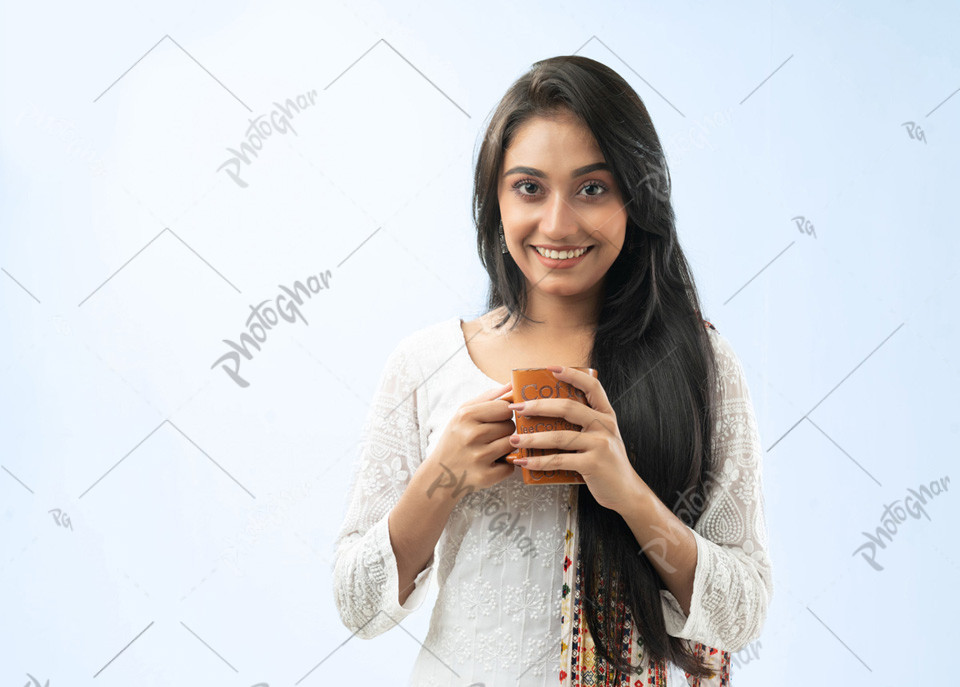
<point>440,482</point>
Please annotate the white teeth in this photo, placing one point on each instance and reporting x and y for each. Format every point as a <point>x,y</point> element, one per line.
<point>561,255</point>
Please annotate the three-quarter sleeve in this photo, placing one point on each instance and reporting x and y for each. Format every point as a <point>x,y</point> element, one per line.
<point>365,576</point>
<point>733,582</point>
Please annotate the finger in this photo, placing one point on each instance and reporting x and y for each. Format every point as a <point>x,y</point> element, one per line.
<point>492,411</point>
<point>495,410</point>
<point>496,437</point>
<point>568,409</point>
<point>504,452</point>
<point>551,461</point>
<point>491,432</point>
<point>491,394</point>
<point>553,440</point>
<point>587,383</point>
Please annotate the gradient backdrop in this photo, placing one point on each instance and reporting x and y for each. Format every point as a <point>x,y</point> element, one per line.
<point>165,520</point>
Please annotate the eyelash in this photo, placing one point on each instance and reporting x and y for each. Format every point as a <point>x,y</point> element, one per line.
<point>524,182</point>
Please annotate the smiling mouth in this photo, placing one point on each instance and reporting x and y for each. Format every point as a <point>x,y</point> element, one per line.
<point>563,254</point>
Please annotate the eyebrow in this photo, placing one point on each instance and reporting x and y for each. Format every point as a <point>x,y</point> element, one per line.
<point>533,171</point>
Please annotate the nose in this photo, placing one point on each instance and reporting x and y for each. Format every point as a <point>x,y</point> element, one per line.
<point>559,219</point>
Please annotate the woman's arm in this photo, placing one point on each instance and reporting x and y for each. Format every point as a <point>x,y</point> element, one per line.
<point>667,542</point>
<point>733,585</point>
<point>416,523</point>
<point>367,573</point>
<point>718,571</point>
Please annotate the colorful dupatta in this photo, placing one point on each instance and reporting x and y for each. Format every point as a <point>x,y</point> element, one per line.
<point>579,666</point>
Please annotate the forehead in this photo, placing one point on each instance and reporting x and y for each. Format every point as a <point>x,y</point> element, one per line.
<point>561,140</point>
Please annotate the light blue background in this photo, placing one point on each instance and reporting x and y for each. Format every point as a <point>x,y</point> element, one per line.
<point>203,514</point>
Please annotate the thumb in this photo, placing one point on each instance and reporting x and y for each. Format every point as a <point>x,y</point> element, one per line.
<point>495,393</point>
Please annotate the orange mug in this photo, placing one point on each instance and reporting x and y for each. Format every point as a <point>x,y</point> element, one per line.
<point>532,383</point>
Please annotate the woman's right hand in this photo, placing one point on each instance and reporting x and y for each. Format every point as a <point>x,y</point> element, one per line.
<point>476,436</point>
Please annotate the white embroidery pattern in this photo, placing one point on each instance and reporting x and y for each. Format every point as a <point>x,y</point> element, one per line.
<point>498,612</point>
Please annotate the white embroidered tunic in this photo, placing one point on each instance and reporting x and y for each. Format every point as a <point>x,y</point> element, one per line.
<point>499,561</point>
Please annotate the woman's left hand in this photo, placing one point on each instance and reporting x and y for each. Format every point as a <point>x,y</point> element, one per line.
<point>600,455</point>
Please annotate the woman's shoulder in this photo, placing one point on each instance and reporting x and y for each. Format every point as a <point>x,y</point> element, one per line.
<point>430,334</point>
<point>426,342</point>
<point>446,336</point>
<point>730,373</point>
<point>722,348</point>
<point>714,335</point>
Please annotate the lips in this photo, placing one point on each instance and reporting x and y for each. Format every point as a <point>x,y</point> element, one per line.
<point>561,264</point>
<point>567,249</point>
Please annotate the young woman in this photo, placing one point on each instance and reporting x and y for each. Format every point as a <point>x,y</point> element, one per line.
<point>660,557</point>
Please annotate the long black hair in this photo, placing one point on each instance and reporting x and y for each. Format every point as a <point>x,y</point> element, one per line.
<point>650,348</point>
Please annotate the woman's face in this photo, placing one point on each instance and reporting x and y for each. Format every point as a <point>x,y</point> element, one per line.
<point>556,192</point>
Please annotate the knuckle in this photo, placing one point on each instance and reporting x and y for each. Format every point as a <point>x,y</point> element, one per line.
<point>475,433</point>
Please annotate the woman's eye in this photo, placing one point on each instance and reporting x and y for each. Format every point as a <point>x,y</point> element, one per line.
<point>522,184</point>
<point>526,184</point>
<point>595,185</point>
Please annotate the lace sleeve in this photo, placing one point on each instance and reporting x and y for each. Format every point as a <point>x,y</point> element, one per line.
<point>733,582</point>
<point>365,577</point>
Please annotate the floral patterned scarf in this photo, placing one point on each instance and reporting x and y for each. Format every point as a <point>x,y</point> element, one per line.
<point>579,666</point>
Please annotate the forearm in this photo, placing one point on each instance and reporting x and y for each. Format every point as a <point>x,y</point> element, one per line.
<point>666,541</point>
<point>416,523</point>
